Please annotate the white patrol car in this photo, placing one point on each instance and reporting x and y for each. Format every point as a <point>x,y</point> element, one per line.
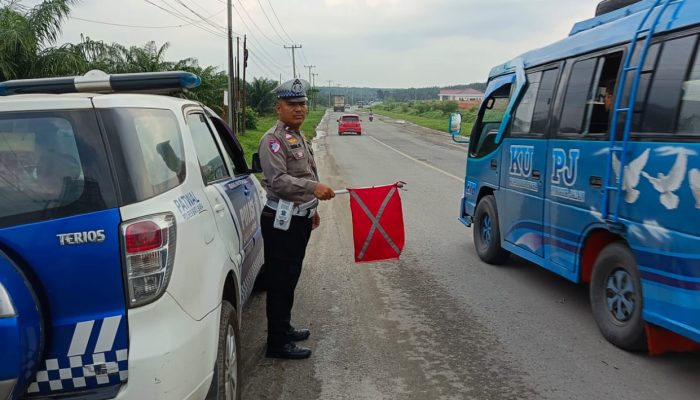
<point>129,241</point>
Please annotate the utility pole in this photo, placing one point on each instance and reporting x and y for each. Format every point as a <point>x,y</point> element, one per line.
<point>312,93</point>
<point>237,110</point>
<point>245,98</point>
<point>329,92</point>
<point>294,64</point>
<point>309,67</point>
<point>230,67</point>
<point>313,85</point>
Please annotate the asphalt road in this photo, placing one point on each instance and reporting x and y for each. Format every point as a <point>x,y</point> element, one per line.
<point>439,323</point>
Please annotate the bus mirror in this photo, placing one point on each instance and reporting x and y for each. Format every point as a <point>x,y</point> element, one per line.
<point>455,126</point>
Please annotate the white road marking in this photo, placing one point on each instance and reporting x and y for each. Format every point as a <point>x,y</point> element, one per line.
<point>418,161</point>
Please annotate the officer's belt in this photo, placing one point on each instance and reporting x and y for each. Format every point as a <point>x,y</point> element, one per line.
<point>307,209</point>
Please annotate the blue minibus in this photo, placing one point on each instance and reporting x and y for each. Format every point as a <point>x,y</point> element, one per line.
<point>585,159</point>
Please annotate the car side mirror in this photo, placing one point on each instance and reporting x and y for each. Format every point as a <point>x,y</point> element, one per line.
<point>455,125</point>
<point>257,166</point>
<point>337,120</point>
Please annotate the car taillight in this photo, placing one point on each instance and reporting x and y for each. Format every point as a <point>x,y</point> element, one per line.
<point>143,236</point>
<point>149,252</point>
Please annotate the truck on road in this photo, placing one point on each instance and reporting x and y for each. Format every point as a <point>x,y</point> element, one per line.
<point>338,103</point>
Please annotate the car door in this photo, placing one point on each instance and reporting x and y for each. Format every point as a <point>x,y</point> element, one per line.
<point>215,173</point>
<point>243,200</point>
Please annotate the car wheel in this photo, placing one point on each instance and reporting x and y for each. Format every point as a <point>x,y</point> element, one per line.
<point>487,237</point>
<point>228,371</point>
<point>616,297</point>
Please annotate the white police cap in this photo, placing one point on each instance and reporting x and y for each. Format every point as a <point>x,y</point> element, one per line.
<point>293,91</point>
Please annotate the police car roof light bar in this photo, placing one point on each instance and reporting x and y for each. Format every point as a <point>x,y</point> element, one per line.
<point>99,82</point>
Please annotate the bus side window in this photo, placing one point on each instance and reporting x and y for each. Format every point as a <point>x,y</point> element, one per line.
<point>689,118</point>
<point>522,121</point>
<point>588,104</point>
<point>485,131</point>
<point>657,107</point>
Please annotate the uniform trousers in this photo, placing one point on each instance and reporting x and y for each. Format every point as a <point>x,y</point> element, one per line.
<point>284,256</point>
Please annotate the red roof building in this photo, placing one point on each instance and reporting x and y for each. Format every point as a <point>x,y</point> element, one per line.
<point>469,95</point>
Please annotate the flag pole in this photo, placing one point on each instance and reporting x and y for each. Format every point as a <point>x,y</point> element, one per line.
<point>399,184</point>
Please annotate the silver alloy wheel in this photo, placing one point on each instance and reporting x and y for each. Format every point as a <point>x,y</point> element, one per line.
<point>231,365</point>
<point>621,295</point>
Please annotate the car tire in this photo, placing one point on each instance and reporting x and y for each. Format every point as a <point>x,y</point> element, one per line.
<point>487,236</point>
<point>616,297</point>
<point>228,371</point>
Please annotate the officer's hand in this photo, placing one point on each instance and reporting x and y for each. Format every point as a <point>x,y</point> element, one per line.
<point>323,192</point>
<point>315,221</point>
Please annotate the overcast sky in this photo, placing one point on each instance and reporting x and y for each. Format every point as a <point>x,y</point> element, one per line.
<point>374,43</point>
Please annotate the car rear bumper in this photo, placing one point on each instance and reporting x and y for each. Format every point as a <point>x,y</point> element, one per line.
<point>171,356</point>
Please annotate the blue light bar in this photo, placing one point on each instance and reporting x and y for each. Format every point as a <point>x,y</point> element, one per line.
<point>99,82</point>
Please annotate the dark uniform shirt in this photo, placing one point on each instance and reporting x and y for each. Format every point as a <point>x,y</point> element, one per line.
<point>288,165</point>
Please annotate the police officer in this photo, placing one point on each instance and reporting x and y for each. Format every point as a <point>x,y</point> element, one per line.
<point>293,192</point>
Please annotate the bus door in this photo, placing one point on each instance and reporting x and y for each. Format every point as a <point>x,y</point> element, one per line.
<point>484,155</point>
<point>578,154</point>
<point>524,161</point>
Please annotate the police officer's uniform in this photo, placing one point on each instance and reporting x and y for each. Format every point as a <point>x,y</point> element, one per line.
<point>290,175</point>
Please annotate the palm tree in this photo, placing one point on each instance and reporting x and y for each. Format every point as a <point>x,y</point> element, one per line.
<point>28,35</point>
<point>260,96</point>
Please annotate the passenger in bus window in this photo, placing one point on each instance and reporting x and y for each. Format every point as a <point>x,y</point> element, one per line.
<point>602,107</point>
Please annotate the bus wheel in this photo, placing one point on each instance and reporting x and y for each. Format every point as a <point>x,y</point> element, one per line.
<point>228,368</point>
<point>487,237</point>
<point>616,297</point>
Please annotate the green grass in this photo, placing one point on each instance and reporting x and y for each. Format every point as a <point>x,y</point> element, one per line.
<point>251,138</point>
<point>439,124</point>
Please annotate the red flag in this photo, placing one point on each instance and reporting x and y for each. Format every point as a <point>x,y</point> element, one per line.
<point>377,223</point>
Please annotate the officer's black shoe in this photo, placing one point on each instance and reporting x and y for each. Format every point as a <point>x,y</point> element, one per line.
<point>297,335</point>
<point>289,351</point>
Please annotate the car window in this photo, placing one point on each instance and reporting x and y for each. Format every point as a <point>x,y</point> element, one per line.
<point>211,162</point>
<point>233,150</point>
<point>52,164</point>
<point>351,119</point>
<point>152,153</point>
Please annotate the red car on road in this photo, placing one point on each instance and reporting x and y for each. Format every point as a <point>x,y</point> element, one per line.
<point>349,123</point>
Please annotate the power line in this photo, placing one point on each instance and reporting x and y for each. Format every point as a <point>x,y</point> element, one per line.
<point>194,23</point>
<point>199,15</point>
<point>268,59</point>
<point>270,22</point>
<point>260,65</point>
<point>185,15</point>
<point>278,21</point>
<point>138,26</point>
<point>128,26</point>
<point>256,25</point>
